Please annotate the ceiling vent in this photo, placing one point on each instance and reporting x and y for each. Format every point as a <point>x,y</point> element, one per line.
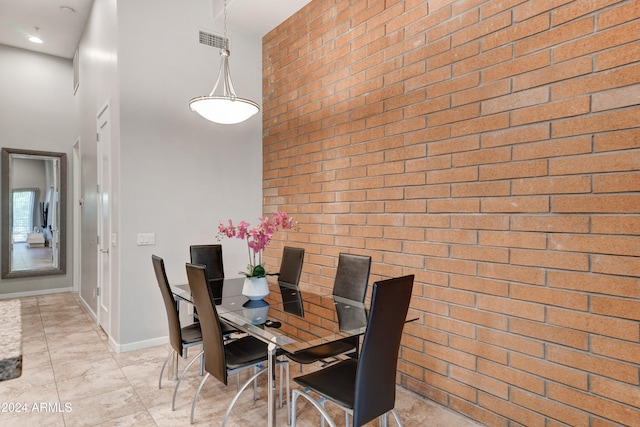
<point>213,40</point>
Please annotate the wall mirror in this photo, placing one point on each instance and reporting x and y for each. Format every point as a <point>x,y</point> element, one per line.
<point>34,194</point>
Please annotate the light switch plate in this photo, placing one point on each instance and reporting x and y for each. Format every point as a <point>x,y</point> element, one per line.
<point>146,239</point>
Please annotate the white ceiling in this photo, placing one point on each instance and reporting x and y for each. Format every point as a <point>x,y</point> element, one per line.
<point>61,31</point>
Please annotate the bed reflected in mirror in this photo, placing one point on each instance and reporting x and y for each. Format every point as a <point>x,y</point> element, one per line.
<point>33,213</point>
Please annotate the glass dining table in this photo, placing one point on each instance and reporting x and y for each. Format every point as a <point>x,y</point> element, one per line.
<point>287,318</point>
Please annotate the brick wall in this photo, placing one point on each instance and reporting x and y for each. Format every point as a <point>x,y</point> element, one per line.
<point>491,148</point>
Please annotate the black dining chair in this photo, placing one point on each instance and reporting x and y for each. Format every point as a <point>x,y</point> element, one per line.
<point>180,338</point>
<point>291,266</point>
<point>365,387</point>
<point>351,281</point>
<point>211,257</point>
<point>223,359</point>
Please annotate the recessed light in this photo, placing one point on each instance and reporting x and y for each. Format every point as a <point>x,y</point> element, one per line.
<point>33,38</point>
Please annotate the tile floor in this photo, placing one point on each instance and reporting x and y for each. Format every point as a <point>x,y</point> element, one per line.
<point>71,378</point>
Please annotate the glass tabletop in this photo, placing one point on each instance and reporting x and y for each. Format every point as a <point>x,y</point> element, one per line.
<point>292,319</point>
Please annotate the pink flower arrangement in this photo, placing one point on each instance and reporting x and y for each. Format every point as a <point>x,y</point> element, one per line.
<point>257,238</point>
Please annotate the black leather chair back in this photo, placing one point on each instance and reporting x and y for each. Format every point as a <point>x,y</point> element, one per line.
<point>175,332</point>
<point>291,266</point>
<point>352,276</point>
<point>211,257</point>
<point>215,361</point>
<point>376,376</point>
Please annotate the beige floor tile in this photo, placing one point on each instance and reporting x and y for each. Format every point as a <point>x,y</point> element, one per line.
<point>67,364</point>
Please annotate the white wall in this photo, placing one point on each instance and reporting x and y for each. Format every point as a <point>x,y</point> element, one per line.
<point>98,85</point>
<point>36,113</point>
<point>174,174</point>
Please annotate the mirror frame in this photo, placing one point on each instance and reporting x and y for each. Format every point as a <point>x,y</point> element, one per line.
<point>5,251</point>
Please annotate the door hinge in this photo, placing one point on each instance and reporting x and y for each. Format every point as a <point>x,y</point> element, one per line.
<point>98,240</point>
<point>98,291</point>
<point>98,188</point>
<point>97,137</point>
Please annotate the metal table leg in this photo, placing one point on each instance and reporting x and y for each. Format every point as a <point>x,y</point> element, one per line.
<point>271,421</point>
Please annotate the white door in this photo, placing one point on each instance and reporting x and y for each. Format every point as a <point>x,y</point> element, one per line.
<point>104,219</point>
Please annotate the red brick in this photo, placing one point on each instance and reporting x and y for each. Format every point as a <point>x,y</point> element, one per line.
<point>534,276</point>
<point>481,124</point>
<point>530,9</point>
<point>615,224</point>
<point>617,77</point>
<point>477,413</point>
<point>619,56</point>
<point>597,365</point>
<point>549,297</point>
<point>557,148</point>
<point>525,240</point>
<point>483,222</point>
<point>596,204</point>
<point>513,170</point>
<point>620,140</point>
<point>478,317</point>
<point>549,333</point>
<point>479,253</point>
<point>451,356</point>
<point>511,342</point>
<point>457,205</point>
<point>549,259</point>
<point>626,12</point>
<point>512,308</point>
<point>550,408</point>
<point>517,31</point>
<point>453,146</point>
<point>623,182</point>
<point>623,393</point>
<point>479,349</point>
<point>517,66</point>
<point>616,349</point>
<point>451,26</point>
<point>616,98</point>
<point>597,42</point>
<point>621,245</point>
<point>480,31</point>
<point>515,204</point>
<point>552,185</point>
<point>551,111</point>
<point>479,382</point>
<point>480,93</point>
<point>600,284</point>
<point>516,135</point>
<point>598,325</point>
<point>516,100</point>
<point>479,285</point>
<point>554,36</point>
<point>551,371</point>
<point>607,409</point>
<point>511,376</point>
<point>517,414</point>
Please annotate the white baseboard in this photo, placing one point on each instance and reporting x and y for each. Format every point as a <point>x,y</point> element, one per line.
<point>35,293</point>
<point>123,348</point>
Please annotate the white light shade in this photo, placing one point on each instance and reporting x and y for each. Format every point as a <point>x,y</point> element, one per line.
<point>224,110</point>
<point>222,105</point>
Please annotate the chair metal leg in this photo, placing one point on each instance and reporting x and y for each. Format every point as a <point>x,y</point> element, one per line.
<point>164,365</point>
<point>195,398</point>
<point>184,372</point>
<point>396,417</point>
<point>237,396</point>
<point>316,403</point>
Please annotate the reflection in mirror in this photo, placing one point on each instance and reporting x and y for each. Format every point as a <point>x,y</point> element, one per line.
<point>33,213</point>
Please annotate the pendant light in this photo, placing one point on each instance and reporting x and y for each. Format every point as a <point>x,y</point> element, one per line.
<point>222,105</point>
